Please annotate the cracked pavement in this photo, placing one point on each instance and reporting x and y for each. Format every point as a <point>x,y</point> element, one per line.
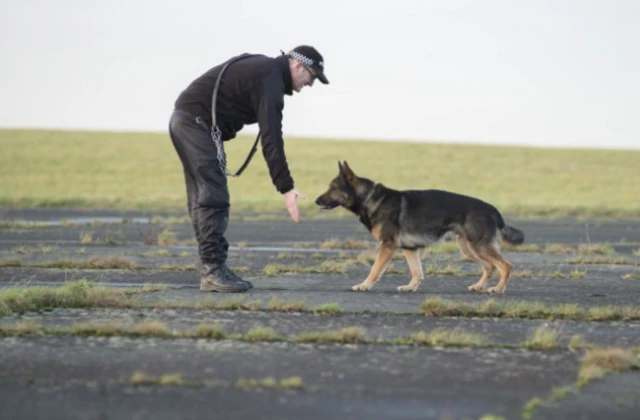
<point>79,377</point>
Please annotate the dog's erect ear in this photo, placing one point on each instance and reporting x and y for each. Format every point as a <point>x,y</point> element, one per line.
<point>340,169</point>
<point>348,174</point>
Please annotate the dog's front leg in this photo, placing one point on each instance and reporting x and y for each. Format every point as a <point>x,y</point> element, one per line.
<point>415,266</point>
<point>385,254</point>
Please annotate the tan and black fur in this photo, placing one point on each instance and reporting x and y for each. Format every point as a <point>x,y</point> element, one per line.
<point>413,219</point>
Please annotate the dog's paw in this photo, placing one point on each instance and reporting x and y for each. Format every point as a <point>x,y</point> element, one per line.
<point>495,290</point>
<point>476,288</point>
<point>362,287</point>
<point>408,288</point>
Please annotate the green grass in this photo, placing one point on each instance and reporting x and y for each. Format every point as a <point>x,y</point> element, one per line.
<point>141,378</point>
<point>73,294</point>
<point>596,363</point>
<point>345,335</point>
<point>438,307</point>
<point>543,338</point>
<point>293,382</point>
<point>86,294</point>
<point>599,362</point>
<point>348,335</point>
<point>444,337</point>
<point>142,171</point>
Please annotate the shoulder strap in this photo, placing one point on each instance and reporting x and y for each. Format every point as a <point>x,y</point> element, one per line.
<point>213,112</point>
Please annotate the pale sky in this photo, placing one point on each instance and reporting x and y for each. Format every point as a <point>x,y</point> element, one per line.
<point>535,72</point>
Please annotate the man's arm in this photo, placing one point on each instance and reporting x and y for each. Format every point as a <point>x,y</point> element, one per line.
<point>269,103</point>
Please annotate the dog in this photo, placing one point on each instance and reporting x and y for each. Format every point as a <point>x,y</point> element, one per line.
<point>413,219</point>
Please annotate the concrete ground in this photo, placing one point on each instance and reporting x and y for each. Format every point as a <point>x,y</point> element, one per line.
<point>315,262</point>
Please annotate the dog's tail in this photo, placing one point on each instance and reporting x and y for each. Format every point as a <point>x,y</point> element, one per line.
<point>512,235</point>
<point>509,233</point>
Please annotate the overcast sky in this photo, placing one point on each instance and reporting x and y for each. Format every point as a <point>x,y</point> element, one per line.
<point>546,73</point>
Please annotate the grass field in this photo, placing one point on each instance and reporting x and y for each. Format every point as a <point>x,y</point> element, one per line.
<point>41,168</point>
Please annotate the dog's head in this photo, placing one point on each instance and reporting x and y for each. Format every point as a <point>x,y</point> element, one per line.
<point>342,190</point>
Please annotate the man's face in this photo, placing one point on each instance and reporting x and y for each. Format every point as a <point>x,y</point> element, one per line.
<point>301,76</point>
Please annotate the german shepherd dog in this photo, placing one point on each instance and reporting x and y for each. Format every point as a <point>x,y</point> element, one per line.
<point>414,219</point>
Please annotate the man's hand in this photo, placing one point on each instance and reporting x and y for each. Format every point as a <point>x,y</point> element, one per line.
<point>290,201</point>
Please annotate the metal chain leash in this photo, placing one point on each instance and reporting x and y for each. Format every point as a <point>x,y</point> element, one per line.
<point>216,135</point>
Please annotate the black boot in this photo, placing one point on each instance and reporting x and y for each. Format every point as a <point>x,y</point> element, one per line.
<point>237,277</point>
<point>220,279</point>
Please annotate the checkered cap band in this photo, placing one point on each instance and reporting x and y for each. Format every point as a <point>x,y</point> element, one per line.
<point>301,58</point>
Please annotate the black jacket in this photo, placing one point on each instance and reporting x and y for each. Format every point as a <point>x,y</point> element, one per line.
<point>251,90</point>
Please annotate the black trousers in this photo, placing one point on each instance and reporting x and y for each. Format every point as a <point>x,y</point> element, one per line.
<point>207,190</point>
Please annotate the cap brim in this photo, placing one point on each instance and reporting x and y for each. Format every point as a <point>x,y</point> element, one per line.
<point>322,77</point>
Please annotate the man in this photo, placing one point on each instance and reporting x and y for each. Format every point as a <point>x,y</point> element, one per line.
<point>251,89</point>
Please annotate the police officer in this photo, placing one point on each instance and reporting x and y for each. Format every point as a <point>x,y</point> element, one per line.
<point>245,89</point>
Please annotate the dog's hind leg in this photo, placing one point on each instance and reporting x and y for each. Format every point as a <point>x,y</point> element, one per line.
<point>385,254</point>
<point>471,251</point>
<point>491,254</point>
<point>415,266</point>
<point>464,248</point>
